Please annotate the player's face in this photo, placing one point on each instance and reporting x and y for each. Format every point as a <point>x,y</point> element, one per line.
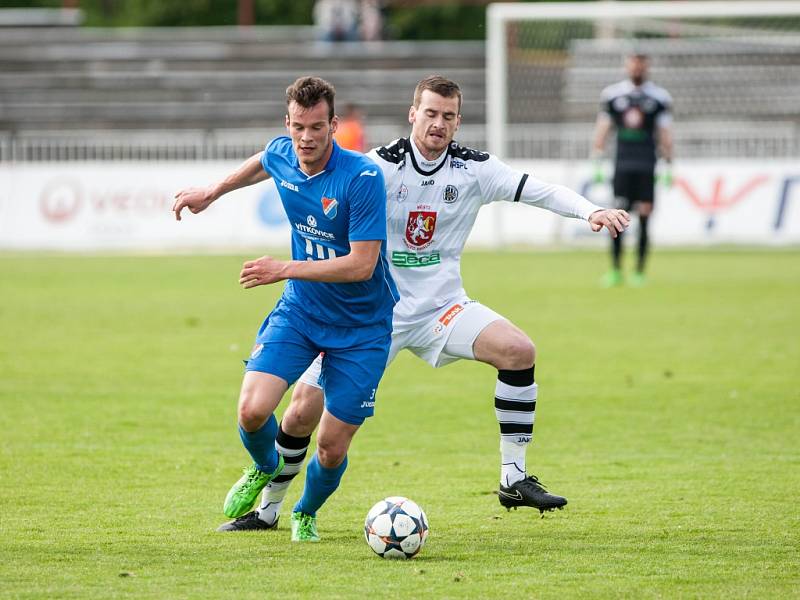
<point>637,69</point>
<point>311,134</point>
<point>434,123</point>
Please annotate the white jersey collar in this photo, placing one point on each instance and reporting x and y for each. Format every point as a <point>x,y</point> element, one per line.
<point>422,164</point>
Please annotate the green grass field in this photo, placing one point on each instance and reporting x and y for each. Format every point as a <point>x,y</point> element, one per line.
<point>668,415</point>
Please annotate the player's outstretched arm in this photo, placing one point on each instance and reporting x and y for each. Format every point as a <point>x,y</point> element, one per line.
<point>356,266</point>
<point>197,199</point>
<point>613,219</point>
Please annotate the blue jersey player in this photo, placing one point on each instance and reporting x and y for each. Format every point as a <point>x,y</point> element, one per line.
<point>338,299</point>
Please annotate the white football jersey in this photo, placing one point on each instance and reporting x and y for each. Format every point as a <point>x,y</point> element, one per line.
<point>431,207</point>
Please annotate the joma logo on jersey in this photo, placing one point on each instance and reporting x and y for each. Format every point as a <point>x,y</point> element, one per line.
<point>451,314</point>
<point>411,259</point>
<point>419,229</point>
<point>425,182</point>
<point>290,186</point>
<point>329,206</point>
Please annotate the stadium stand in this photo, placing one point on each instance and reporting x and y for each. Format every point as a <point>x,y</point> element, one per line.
<point>40,17</point>
<point>70,93</point>
<point>732,98</point>
<point>712,80</point>
<point>208,78</point>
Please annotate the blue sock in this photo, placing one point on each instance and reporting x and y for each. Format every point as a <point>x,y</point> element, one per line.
<point>320,484</point>
<point>261,444</point>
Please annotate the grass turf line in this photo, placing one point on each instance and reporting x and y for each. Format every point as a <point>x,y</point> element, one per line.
<point>668,416</point>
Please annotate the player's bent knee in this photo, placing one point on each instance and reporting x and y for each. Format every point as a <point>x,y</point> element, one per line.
<point>330,453</point>
<point>305,420</point>
<point>296,424</point>
<point>303,414</point>
<point>516,351</point>
<point>520,353</point>
<point>251,414</point>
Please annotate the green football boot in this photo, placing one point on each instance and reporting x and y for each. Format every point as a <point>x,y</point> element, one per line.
<point>638,279</point>
<point>244,493</point>
<point>613,278</point>
<point>304,528</point>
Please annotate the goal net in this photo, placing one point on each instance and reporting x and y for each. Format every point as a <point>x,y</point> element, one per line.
<point>732,68</point>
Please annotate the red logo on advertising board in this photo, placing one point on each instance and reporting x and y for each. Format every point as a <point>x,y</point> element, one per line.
<point>419,229</point>
<point>60,200</point>
<point>718,200</point>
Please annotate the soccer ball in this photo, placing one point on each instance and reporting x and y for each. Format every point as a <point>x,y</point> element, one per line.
<point>396,528</point>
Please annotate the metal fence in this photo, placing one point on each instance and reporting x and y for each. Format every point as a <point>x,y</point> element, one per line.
<point>535,141</point>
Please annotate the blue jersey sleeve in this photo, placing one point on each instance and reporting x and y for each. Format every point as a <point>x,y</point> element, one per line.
<point>268,156</point>
<point>367,193</point>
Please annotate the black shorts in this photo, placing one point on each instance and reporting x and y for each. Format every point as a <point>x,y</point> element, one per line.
<point>631,187</point>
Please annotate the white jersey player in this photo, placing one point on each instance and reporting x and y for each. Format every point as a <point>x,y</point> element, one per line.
<point>431,209</point>
<point>434,190</point>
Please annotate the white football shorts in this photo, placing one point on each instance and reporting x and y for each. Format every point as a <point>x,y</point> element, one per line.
<point>446,337</point>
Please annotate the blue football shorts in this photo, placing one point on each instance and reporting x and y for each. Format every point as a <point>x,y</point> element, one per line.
<point>355,358</point>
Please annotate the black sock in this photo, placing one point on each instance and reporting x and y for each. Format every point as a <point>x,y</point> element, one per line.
<point>616,251</point>
<point>643,243</point>
<point>522,378</point>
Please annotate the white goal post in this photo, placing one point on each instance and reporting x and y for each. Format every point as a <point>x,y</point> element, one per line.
<point>695,21</point>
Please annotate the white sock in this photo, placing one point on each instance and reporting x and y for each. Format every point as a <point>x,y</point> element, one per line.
<point>513,462</point>
<point>271,501</point>
<point>515,408</point>
<point>293,450</point>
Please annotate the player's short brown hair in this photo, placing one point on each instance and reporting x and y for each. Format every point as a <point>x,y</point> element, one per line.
<point>310,91</point>
<point>446,88</point>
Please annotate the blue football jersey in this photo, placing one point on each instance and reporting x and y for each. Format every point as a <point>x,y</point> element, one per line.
<point>345,202</point>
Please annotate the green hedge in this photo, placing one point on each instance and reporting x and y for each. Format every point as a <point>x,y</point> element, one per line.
<point>449,20</point>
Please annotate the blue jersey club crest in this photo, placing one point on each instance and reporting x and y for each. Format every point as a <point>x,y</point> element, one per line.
<point>329,206</point>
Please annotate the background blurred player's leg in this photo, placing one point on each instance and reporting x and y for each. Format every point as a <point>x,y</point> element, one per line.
<point>643,244</point>
<point>616,259</point>
<point>622,195</point>
<point>645,209</point>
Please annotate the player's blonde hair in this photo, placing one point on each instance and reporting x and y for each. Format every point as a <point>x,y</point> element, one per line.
<point>310,91</point>
<point>447,88</point>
